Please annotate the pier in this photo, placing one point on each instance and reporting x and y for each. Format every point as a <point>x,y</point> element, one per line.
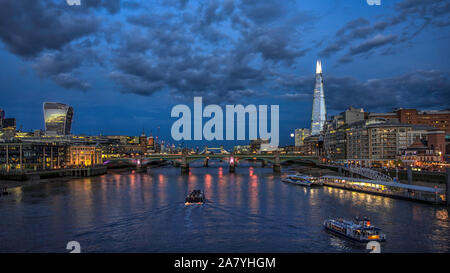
<point>432,195</point>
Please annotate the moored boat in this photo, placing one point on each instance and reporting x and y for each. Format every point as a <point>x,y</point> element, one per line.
<point>358,230</point>
<point>298,180</point>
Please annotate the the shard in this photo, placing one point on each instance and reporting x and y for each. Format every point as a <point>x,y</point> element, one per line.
<point>318,110</point>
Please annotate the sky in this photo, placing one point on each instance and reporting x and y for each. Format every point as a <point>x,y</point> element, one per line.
<point>123,64</point>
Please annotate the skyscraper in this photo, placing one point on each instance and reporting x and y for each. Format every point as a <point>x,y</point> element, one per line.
<point>2,117</point>
<point>318,110</point>
<point>58,118</point>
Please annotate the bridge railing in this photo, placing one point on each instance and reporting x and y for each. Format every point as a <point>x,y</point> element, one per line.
<point>369,173</point>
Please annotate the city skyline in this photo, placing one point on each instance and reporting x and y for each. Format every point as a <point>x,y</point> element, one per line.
<point>220,135</point>
<point>270,57</point>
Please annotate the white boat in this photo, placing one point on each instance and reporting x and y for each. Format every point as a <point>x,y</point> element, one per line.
<point>298,180</point>
<point>359,230</point>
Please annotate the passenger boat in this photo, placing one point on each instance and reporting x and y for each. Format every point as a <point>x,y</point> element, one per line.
<point>298,179</point>
<point>358,230</point>
<point>195,197</point>
<point>316,181</point>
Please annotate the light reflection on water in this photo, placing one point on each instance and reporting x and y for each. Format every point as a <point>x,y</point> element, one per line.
<point>248,211</point>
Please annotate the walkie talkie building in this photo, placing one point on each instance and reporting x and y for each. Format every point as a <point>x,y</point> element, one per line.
<point>58,118</point>
<point>318,110</point>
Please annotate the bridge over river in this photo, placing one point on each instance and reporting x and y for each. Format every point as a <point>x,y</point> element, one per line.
<point>183,160</point>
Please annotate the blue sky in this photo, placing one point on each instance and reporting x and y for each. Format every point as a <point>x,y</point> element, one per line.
<point>124,64</point>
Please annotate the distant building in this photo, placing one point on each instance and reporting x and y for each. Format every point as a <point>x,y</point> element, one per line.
<point>437,119</point>
<point>312,146</point>
<point>143,140</point>
<point>32,155</point>
<point>242,149</point>
<point>255,145</point>
<point>151,144</point>
<point>82,155</point>
<point>58,118</point>
<point>300,135</point>
<point>9,124</point>
<point>353,115</point>
<point>37,133</point>
<point>267,148</point>
<point>380,143</point>
<point>417,153</point>
<point>2,117</point>
<point>378,138</point>
<point>335,132</point>
<point>121,139</point>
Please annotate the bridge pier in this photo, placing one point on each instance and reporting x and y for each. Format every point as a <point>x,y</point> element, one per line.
<point>139,167</point>
<point>184,165</point>
<point>263,163</point>
<point>277,164</point>
<point>206,162</point>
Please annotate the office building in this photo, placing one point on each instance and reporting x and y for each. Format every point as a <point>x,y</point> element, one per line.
<point>58,118</point>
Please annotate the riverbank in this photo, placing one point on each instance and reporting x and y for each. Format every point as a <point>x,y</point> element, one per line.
<point>9,184</point>
<point>399,194</point>
<point>317,171</point>
<point>23,179</point>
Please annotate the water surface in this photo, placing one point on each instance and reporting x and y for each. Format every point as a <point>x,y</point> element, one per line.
<point>249,211</point>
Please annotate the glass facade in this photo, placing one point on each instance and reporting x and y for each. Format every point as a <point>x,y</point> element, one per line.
<point>318,110</point>
<point>58,118</point>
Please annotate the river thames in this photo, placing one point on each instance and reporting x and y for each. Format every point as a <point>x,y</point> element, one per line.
<point>248,211</point>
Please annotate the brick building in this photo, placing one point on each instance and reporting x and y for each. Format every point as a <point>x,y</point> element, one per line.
<point>437,119</point>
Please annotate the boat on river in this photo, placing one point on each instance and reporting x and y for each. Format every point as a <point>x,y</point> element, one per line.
<point>195,197</point>
<point>359,230</point>
<point>301,179</point>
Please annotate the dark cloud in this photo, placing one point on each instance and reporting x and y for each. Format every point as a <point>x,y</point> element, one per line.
<point>372,43</point>
<point>53,36</point>
<point>423,8</point>
<point>62,65</point>
<point>70,58</point>
<point>412,16</point>
<point>262,12</point>
<point>196,53</point>
<point>420,89</point>
<point>134,84</point>
<point>331,49</point>
<point>29,27</point>
<point>356,23</point>
<point>353,30</point>
<point>112,6</point>
<point>132,5</point>
<point>70,82</point>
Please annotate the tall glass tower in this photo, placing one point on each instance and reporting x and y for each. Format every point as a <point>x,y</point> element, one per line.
<point>58,118</point>
<point>318,110</point>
